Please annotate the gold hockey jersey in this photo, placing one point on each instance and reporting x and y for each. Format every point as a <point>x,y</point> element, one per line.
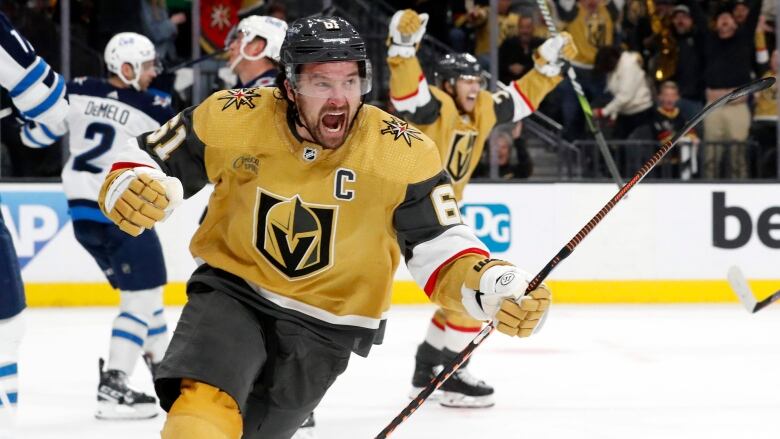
<point>316,231</point>
<point>460,138</point>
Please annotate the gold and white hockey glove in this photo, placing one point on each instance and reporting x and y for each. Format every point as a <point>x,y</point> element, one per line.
<point>135,199</point>
<point>549,57</point>
<point>494,290</point>
<point>407,28</point>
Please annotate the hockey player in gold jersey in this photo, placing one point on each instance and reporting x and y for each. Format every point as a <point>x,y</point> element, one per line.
<point>316,198</point>
<point>458,115</point>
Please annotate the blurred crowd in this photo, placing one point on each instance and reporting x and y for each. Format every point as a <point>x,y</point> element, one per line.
<point>646,67</point>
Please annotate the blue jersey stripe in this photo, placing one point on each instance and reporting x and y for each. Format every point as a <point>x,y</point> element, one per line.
<point>48,132</point>
<point>127,315</point>
<point>88,214</point>
<point>128,336</point>
<point>157,331</point>
<point>8,370</point>
<point>13,398</point>
<point>28,135</point>
<point>49,102</point>
<point>158,312</point>
<point>29,79</point>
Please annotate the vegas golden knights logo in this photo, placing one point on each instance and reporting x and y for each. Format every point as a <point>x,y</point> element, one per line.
<point>461,150</point>
<point>294,236</point>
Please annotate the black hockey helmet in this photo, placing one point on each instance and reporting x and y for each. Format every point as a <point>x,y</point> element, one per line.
<point>458,65</point>
<point>322,39</point>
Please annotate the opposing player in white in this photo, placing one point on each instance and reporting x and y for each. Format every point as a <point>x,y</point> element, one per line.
<point>37,93</point>
<point>253,50</point>
<point>104,115</point>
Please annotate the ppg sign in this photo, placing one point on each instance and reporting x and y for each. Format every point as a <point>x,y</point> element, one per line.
<point>492,224</point>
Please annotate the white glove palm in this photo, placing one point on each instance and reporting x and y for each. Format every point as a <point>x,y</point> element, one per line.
<point>407,28</point>
<point>550,55</point>
<point>501,298</point>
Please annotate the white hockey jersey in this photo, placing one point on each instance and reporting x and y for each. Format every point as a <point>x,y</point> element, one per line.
<point>36,90</point>
<point>101,120</point>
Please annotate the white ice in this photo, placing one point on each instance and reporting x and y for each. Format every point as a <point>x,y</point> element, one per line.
<point>685,371</point>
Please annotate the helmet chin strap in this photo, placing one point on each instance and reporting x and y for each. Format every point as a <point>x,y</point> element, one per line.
<point>242,55</point>
<point>134,82</point>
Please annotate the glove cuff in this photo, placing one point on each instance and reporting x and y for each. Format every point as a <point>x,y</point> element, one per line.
<point>544,67</point>
<point>474,275</point>
<point>402,51</point>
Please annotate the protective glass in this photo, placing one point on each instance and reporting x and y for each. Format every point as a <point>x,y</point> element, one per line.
<point>327,86</point>
<point>472,78</point>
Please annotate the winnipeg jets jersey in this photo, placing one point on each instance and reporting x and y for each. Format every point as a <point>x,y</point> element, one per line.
<point>315,231</point>
<point>461,137</point>
<point>101,120</point>
<point>36,90</point>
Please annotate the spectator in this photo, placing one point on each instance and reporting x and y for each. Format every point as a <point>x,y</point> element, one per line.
<point>632,101</point>
<point>477,19</point>
<point>728,64</point>
<point>591,24</point>
<point>515,54</point>
<point>764,128</point>
<point>509,167</point>
<point>667,121</point>
<point>689,26</point>
<point>161,28</point>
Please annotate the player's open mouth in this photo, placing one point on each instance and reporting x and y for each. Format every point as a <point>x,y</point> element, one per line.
<point>472,97</point>
<point>334,122</point>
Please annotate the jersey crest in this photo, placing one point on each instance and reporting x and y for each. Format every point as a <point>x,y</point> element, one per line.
<point>294,236</point>
<point>461,151</point>
<point>399,128</point>
<point>239,97</point>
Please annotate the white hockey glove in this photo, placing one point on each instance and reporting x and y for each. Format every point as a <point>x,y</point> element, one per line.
<point>548,58</point>
<point>407,28</point>
<point>494,290</point>
<point>134,199</point>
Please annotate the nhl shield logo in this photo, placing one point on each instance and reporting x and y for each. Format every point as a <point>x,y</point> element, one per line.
<point>295,237</point>
<point>309,154</point>
<point>460,154</point>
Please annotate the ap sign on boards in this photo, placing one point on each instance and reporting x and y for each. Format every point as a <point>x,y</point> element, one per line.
<point>33,218</point>
<point>491,222</point>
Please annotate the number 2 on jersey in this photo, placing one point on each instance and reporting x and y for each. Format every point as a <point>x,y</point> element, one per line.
<point>107,133</point>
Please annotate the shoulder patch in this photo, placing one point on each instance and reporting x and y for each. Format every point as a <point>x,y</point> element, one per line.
<point>239,97</point>
<point>399,128</point>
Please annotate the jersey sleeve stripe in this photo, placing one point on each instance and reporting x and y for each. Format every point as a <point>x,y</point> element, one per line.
<point>50,101</point>
<point>523,106</point>
<point>430,284</point>
<point>128,165</point>
<point>30,140</point>
<point>48,132</point>
<point>429,257</point>
<point>30,78</point>
<point>414,100</point>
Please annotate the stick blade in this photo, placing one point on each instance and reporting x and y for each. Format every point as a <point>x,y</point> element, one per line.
<point>740,286</point>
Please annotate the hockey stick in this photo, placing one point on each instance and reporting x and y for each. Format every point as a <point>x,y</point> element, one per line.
<point>192,62</point>
<point>564,252</point>
<point>593,127</point>
<point>740,286</point>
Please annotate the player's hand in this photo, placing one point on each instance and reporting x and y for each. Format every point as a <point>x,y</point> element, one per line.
<point>494,290</point>
<point>522,317</point>
<point>135,199</point>
<point>549,57</point>
<point>407,28</point>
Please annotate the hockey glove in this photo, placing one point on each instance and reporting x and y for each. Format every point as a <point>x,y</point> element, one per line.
<point>494,290</point>
<point>549,57</point>
<point>134,199</point>
<point>407,28</point>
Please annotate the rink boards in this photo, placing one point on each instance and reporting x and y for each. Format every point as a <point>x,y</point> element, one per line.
<point>665,243</point>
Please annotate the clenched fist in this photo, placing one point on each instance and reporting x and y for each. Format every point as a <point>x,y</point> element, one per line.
<point>407,28</point>
<point>135,199</point>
